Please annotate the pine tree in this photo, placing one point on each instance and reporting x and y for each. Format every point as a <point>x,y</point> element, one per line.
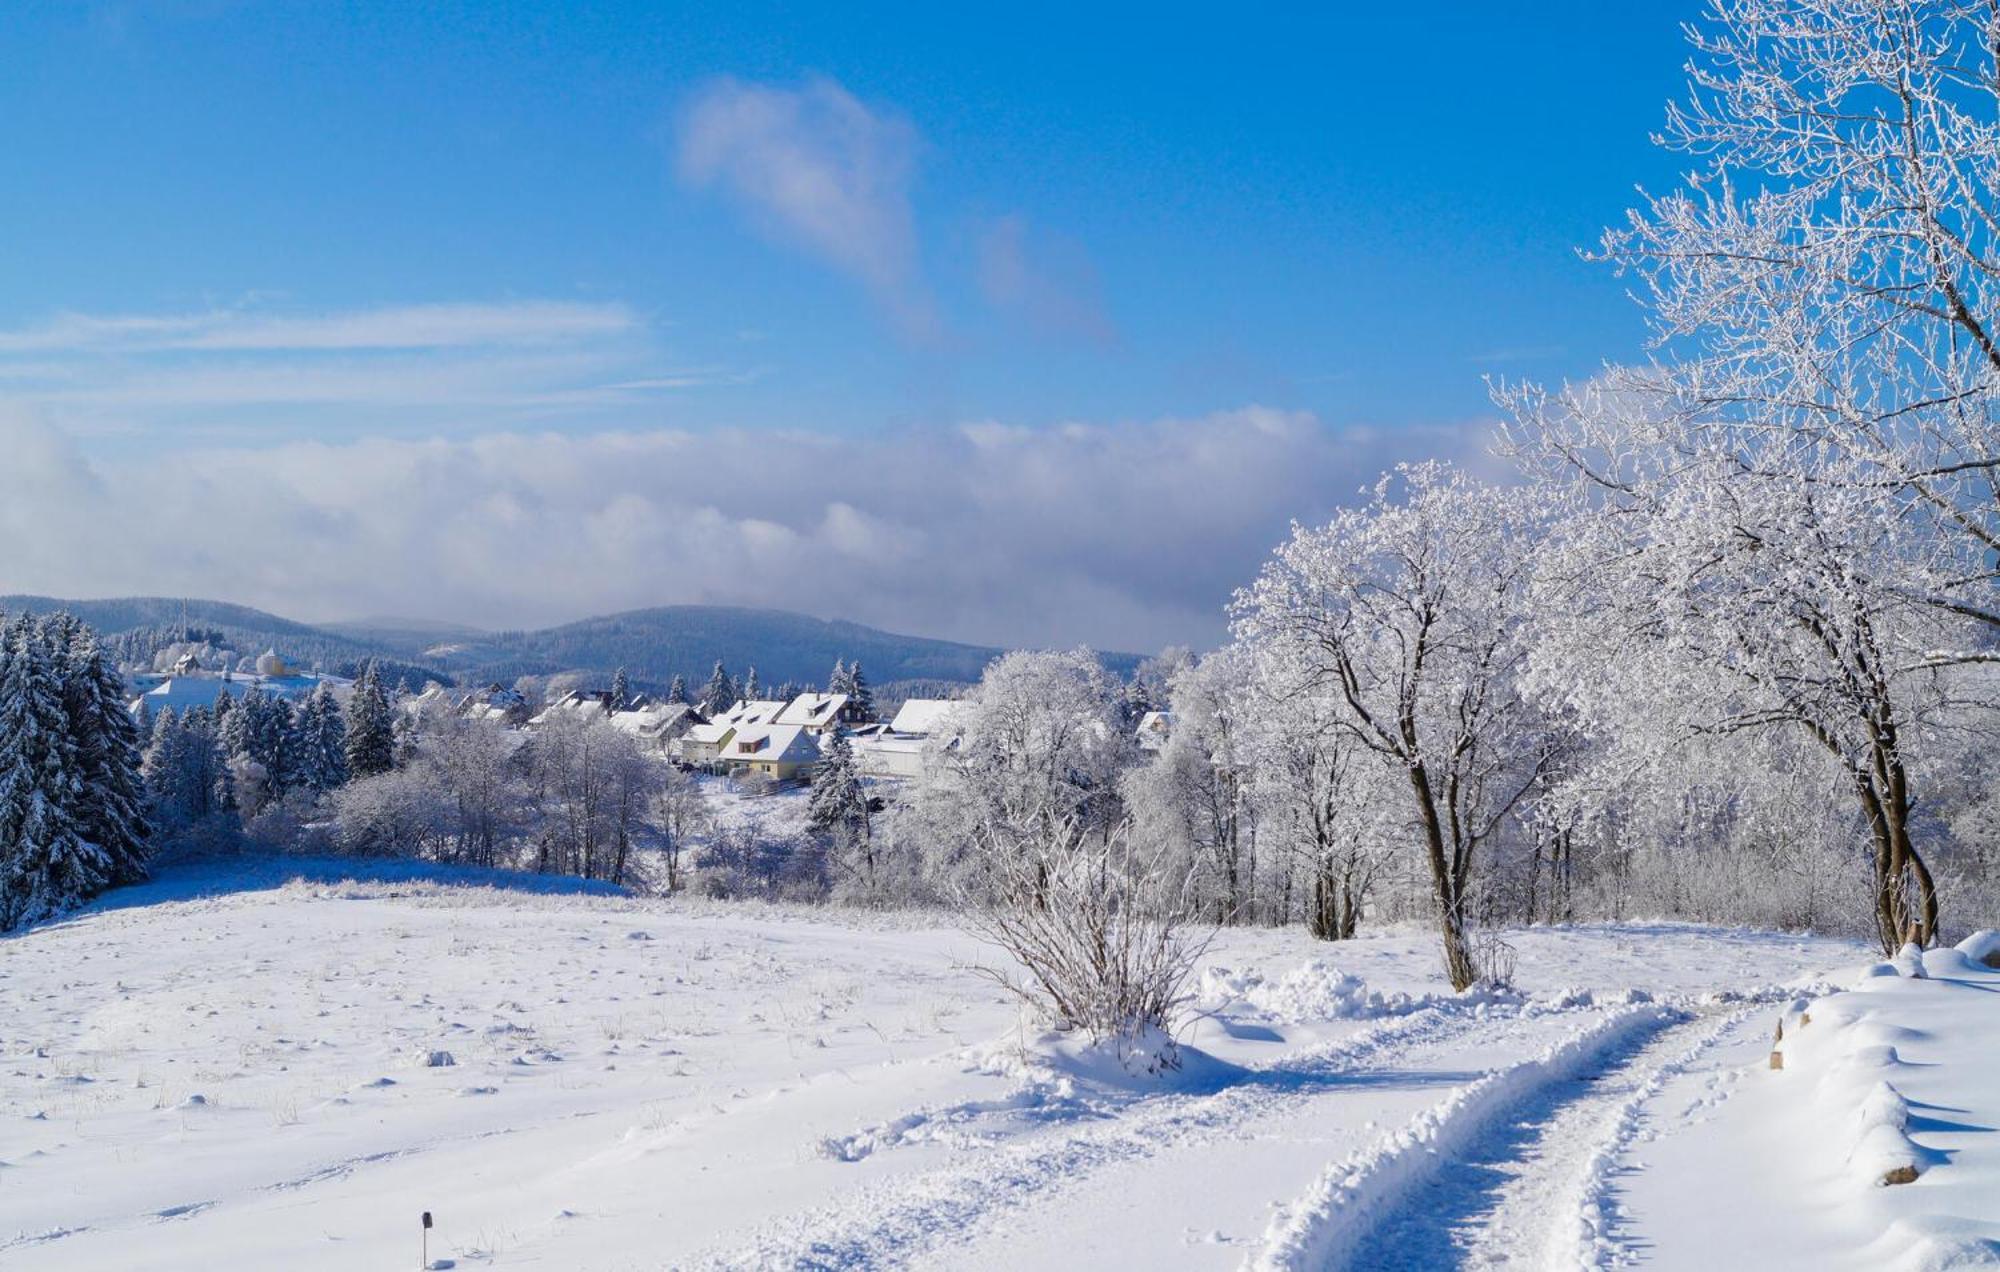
<point>837,682</point>
<point>621,690</point>
<point>678,691</point>
<point>720,693</point>
<point>838,806</point>
<point>751,689</point>
<point>860,697</point>
<point>112,812</point>
<point>317,756</point>
<point>46,865</point>
<point>270,742</point>
<point>371,728</point>
<point>239,726</point>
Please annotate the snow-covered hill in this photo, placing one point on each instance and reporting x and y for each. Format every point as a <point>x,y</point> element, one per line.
<point>227,1070</point>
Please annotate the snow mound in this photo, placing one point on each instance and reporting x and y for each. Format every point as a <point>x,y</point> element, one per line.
<point>1317,990</point>
<point>1146,1060</point>
<point>1982,947</point>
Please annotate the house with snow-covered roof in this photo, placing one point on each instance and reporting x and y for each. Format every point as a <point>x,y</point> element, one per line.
<point>585,704</point>
<point>921,717</point>
<point>759,711</point>
<point>818,713</point>
<point>658,724</point>
<point>1155,727</point>
<point>778,751</point>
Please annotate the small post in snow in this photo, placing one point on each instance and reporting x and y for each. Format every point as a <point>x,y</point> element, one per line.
<point>426,1247</point>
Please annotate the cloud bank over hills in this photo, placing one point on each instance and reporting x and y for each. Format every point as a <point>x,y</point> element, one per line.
<point>1122,535</point>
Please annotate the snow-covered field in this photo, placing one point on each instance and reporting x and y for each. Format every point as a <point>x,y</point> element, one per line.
<point>286,1075</point>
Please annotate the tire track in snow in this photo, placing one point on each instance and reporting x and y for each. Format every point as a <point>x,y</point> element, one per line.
<point>1563,1193</point>
<point>1390,1205</point>
<point>889,1223</point>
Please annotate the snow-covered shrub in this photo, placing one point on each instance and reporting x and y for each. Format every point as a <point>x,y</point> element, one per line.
<point>1100,936</point>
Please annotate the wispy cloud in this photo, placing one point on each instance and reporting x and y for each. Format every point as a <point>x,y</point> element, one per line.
<point>818,168</point>
<point>1044,278</point>
<point>499,362</point>
<point>436,326</point>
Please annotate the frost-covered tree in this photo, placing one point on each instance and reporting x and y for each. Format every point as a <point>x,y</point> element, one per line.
<point>1195,795</point>
<point>371,727</point>
<point>478,767</point>
<point>1410,613</point>
<point>1149,689</point>
<point>677,692</point>
<point>621,690</point>
<point>1033,753</point>
<point>594,788</point>
<point>680,811</point>
<point>1830,269</point>
<point>1323,803</point>
<point>752,691</point>
<point>837,681</point>
<point>1733,577</point>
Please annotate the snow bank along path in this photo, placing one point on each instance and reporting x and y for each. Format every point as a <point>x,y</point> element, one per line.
<point>258,1078</point>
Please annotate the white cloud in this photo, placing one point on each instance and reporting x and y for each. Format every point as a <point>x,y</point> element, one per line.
<point>821,169</point>
<point>1125,535</point>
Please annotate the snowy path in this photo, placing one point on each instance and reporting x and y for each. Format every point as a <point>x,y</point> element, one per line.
<point>1041,1201</point>
<point>1534,1191</point>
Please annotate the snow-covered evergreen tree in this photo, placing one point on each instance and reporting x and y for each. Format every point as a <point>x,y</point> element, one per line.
<point>111,814</point>
<point>678,691</point>
<point>861,697</point>
<point>188,781</point>
<point>838,680</point>
<point>371,728</point>
<point>720,693</point>
<point>751,689</point>
<point>838,806</point>
<point>621,690</point>
<point>318,752</point>
<point>46,864</point>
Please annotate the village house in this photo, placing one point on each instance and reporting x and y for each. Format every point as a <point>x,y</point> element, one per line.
<point>819,713</point>
<point>587,704</point>
<point>782,752</point>
<point>901,750</point>
<point>1155,727</point>
<point>660,725</point>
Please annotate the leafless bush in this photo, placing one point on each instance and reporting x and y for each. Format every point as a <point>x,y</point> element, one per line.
<point>1099,932</point>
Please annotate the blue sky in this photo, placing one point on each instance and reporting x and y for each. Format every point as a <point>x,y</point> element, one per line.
<point>259,231</point>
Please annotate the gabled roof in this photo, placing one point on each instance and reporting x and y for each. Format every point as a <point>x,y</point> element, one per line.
<point>813,709</point>
<point>773,743</point>
<point>583,702</point>
<point>655,718</point>
<point>758,712</point>
<point>713,734</point>
<point>922,715</point>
